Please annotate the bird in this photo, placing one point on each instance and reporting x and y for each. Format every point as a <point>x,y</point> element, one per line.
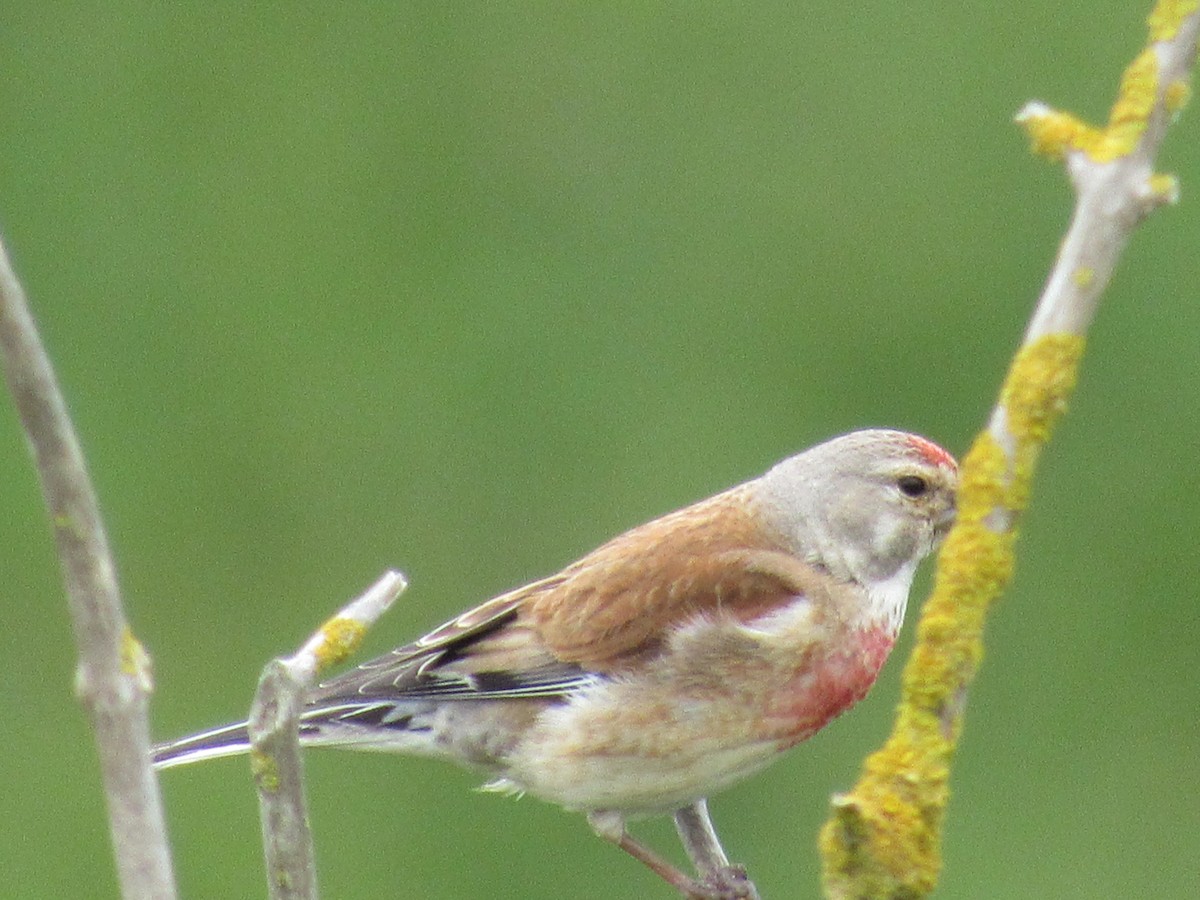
<point>669,663</point>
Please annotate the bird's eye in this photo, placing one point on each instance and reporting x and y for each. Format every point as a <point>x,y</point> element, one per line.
<point>912,485</point>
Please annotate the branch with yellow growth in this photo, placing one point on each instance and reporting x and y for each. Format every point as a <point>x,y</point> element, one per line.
<point>112,677</point>
<point>275,745</point>
<point>883,838</point>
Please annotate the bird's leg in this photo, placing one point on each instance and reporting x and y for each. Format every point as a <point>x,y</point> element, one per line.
<point>704,850</point>
<point>699,837</point>
<point>610,826</point>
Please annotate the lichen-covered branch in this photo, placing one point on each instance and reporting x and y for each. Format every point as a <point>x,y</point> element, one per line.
<point>883,838</point>
<point>274,738</point>
<point>112,679</point>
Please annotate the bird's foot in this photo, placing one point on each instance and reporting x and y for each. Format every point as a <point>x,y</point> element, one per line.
<point>725,883</point>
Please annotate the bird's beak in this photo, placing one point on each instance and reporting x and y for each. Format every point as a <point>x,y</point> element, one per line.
<point>943,523</point>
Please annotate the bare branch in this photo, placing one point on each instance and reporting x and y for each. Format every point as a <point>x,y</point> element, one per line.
<point>274,738</point>
<point>113,675</point>
<point>883,838</point>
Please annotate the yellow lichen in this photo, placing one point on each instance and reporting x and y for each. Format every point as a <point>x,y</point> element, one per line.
<point>341,638</point>
<point>1039,382</point>
<point>981,486</point>
<point>1131,112</point>
<point>265,771</point>
<point>1164,188</point>
<point>1052,133</point>
<point>1166,17</point>
<point>895,872</point>
<point>135,661</point>
<point>1176,96</point>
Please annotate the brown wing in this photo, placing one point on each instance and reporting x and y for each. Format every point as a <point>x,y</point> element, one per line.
<point>617,603</point>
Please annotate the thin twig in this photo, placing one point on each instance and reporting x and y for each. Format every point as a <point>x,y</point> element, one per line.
<point>113,676</point>
<point>274,739</point>
<point>883,838</point>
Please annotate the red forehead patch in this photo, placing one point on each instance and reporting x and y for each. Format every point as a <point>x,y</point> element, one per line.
<point>932,452</point>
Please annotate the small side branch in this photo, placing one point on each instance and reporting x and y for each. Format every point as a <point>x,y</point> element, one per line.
<point>113,674</point>
<point>883,838</point>
<point>274,738</point>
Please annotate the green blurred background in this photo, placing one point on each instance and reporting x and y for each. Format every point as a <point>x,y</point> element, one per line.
<point>466,288</point>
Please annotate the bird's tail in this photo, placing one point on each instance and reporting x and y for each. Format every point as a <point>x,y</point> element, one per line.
<point>229,740</point>
<point>405,727</point>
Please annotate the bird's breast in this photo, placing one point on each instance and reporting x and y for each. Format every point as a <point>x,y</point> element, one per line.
<point>827,684</point>
<point>674,732</point>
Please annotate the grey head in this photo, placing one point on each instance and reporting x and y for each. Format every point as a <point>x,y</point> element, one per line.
<point>866,506</point>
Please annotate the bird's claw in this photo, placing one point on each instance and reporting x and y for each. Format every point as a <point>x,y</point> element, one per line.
<point>725,883</point>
